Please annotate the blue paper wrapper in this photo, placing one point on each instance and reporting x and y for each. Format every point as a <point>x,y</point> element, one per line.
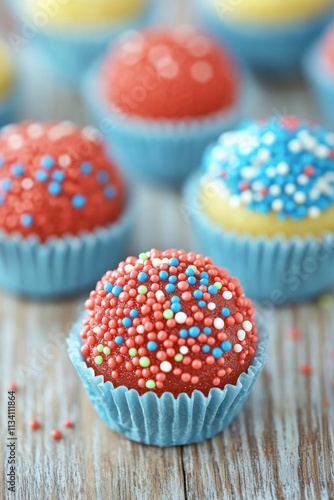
<point>71,52</point>
<point>321,82</point>
<point>274,49</point>
<point>270,269</point>
<point>158,151</point>
<point>165,421</point>
<point>63,266</point>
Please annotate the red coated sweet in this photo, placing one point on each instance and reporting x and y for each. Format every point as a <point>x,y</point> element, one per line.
<point>178,73</point>
<point>56,179</point>
<point>169,322</point>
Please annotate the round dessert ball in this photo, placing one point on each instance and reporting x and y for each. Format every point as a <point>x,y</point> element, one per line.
<point>55,180</point>
<point>271,177</point>
<point>171,74</point>
<point>169,321</point>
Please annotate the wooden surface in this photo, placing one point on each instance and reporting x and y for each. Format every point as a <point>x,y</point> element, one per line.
<point>280,447</point>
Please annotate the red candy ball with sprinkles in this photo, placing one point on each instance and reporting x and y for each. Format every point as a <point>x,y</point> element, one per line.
<point>55,180</point>
<point>169,322</point>
<point>171,74</point>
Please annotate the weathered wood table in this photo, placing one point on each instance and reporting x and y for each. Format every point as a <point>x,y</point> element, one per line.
<point>281,445</point>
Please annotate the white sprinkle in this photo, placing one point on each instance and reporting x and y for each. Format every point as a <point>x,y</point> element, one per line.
<point>314,194</point>
<point>237,348</point>
<point>227,295</point>
<point>219,323</point>
<point>165,260</point>
<point>166,366</point>
<point>159,294</point>
<point>167,68</point>
<point>235,201</point>
<point>282,168</point>
<point>27,184</point>
<point>247,326</point>
<point>314,212</point>
<point>295,146</point>
<point>275,190</point>
<point>128,268</point>
<point>271,172</point>
<point>35,131</point>
<point>64,161</point>
<point>140,329</point>
<point>158,52</point>
<point>211,306</point>
<point>249,172</point>
<point>268,138</point>
<point>184,349</point>
<point>263,156</point>
<point>180,317</point>
<point>290,188</point>
<point>198,46</point>
<point>277,205</point>
<point>15,141</point>
<point>257,185</point>
<point>202,72</point>
<point>322,151</point>
<point>241,335</point>
<point>330,139</point>
<point>97,330</point>
<point>246,197</point>
<point>302,179</point>
<point>299,197</point>
<point>156,262</point>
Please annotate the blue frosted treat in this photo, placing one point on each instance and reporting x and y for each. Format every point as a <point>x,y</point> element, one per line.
<point>168,348</point>
<point>271,36</point>
<point>64,215</point>
<point>263,205</point>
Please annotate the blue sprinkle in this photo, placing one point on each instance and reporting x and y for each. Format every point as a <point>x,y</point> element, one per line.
<point>176,307</point>
<point>226,346</point>
<point>204,275</point>
<point>58,175</point>
<point>198,294</point>
<point>183,333</point>
<point>189,272</point>
<point>213,290</point>
<point>175,298</point>
<point>17,170</point>
<point>142,277</point>
<point>127,322</point>
<point>225,312</point>
<point>170,288</point>
<point>103,176</point>
<point>152,346</point>
<point>27,220</point>
<point>108,287</point>
<point>172,279</point>
<point>41,176</point>
<point>194,331</point>
<point>204,282</point>
<point>206,348</point>
<point>54,188</point>
<point>163,275</point>
<point>117,290</point>
<point>6,185</point>
<point>207,330</point>
<point>201,303</point>
<point>78,201</point>
<point>86,168</point>
<point>47,162</point>
<point>192,280</point>
<point>109,192</point>
<point>217,352</point>
<point>119,340</point>
<point>174,262</point>
<point>133,313</point>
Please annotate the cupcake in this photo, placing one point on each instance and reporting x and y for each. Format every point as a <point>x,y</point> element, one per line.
<point>64,216</point>
<point>8,98</point>
<point>319,70</point>
<point>271,37</point>
<point>263,206</point>
<point>74,33</point>
<point>168,348</point>
<point>161,97</point>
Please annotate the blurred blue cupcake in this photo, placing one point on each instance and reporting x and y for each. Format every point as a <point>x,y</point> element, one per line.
<point>271,37</point>
<point>64,213</point>
<point>160,97</point>
<point>263,205</point>
<point>8,91</point>
<point>73,34</point>
<point>168,379</point>
<point>319,70</point>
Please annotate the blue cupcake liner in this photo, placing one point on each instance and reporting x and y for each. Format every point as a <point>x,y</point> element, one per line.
<point>270,269</point>
<point>321,81</point>
<point>71,52</point>
<point>276,49</point>
<point>63,266</point>
<point>165,421</point>
<point>159,151</point>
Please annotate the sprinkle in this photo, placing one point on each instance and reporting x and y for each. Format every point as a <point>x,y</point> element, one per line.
<point>17,170</point>
<point>41,176</point>
<point>180,318</point>
<point>212,290</point>
<point>109,192</point>
<point>126,322</point>
<point>226,346</point>
<point>54,188</point>
<point>133,352</point>
<point>100,348</point>
<point>133,313</point>
<point>241,335</point>
<point>34,425</point>
<point>27,220</point>
<point>117,290</point>
<point>218,285</point>
<point>211,306</point>
<point>247,326</point>
<point>98,360</point>
<point>217,353</point>
<point>47,162</point>
<point>119,340</point>
<point>150,384</point>
<point>237,348</point>
<point>142,277</point>
<point>106,350</point>
<point>295,334</point>
<point>227,295</point>
<point>168,314</point>
<point>142,289</point>
<point>178,358</point>
<point>174,262</point>
<point>152,346</point>
<point>102,176</point>
<point>225,312</point>
<point>166,366</point>
<point>78,201</point>
<point>12,387</point>
<point>218,323</point>
<point>306,370</point>
<point>184,349</point>
<point>108,287</point>
<point>68,424</point>
<point>56,434</point>
<point>143,257</point>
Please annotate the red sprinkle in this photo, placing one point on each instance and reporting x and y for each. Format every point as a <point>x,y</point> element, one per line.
<point>295,334</point>
<point>12,386</point>
<point>56,434</point>
<point>35,424</point>
<point>68,423</point>
<point>309,170</point>
<point>306,369</point>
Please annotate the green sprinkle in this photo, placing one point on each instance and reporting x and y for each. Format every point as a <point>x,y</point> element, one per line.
<point>178,357</point>
<point>142,289</point>
<point>150,384</point>
<point>168,314</point>
<point>133,351</point>
<point>218,285</point>
<point>106,351</point>
<point>194,268</point>
<point>144,362</point>
<point>143,256</point>
<point>100,348</point>
<point>98,360</point>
